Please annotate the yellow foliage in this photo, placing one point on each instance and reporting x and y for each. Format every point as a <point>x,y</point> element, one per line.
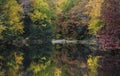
<point>13,71</point>
<point>57,72</point>
<point>94,25</point>
<point>40,10</point>
<point>95,22</point>
<point>96,7</point>
<point>12,12</point>
<point>37,67</point>
<point>18,58</point>
<point>19,27</point>
<point>2,28</point>
<point>60,4</point>
<point>36,15</point>
<point>93,65</point>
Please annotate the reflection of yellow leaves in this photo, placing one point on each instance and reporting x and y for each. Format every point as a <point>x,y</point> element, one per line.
<point>18,58</point>
<point>19,27</point>
<point>93,65</point>
<point>1,57</point>
<point>2,28</point>
<point>43,58</point>
<point>37,67</point>
<point>44,25</point>
<point>13,71</point>
<point>58,72</point>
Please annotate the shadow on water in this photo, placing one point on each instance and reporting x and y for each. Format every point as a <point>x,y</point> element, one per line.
<point>58,60</point>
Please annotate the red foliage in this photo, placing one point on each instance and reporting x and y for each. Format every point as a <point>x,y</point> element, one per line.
<point>109,35</point>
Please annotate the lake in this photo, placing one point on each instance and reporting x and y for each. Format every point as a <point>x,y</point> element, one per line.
<point>58,59</point>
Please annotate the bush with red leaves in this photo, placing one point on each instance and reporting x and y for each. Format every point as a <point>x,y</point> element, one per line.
<point>109,35</point>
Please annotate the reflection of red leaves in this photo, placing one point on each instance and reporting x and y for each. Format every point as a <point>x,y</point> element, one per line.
<point>64,24</point>
<point>109,66</point>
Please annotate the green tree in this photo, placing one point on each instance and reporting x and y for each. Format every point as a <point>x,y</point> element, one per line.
<point>39,57</point>
<point>41,17</point>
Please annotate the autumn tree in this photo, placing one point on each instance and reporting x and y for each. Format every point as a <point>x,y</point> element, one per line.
<point>109,34</point>
<point>94,10</point>
<point>11,21</point>
<point>72,22</point>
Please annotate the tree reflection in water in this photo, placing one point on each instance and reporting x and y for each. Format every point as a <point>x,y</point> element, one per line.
<point>58,60</point>
<point>71,60</point>
<point>109,65</point>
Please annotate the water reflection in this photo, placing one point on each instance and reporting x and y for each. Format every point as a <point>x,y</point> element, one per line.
<point>71,61</point>
<point>109,66</point>
<point>57,60</point>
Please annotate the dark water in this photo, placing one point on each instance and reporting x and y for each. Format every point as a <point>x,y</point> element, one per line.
<point>57,60</point>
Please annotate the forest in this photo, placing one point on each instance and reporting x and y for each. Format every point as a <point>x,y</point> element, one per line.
<point>59,38</point>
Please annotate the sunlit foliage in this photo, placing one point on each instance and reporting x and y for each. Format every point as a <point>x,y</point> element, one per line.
<point>95,22</point>
<point>93,65</point>
<point>11,24</point>
<point>41,11</point>
<point>12,17</point>
<point>57,72</point>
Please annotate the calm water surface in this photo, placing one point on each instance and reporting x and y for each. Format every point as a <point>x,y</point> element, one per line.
<point>58,60</point>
